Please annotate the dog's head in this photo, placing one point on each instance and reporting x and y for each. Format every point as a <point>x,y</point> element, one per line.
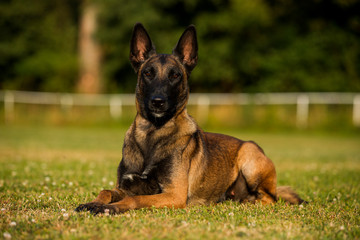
<point>162,86</point>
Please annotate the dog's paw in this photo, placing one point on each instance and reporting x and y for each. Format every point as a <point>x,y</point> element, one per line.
<point>104,209</point>
<point>98,208</point>
<point>129,180</point>
<point>132,177</point>
<point>88,206</point>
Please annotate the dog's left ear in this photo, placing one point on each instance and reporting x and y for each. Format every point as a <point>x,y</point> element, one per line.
<point>187,47</point>
<point>141,46</point>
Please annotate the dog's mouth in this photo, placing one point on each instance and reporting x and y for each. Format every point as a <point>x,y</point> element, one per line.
<point>158,114</point>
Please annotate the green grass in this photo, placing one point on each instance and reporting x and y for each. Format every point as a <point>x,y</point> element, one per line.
<point>46,172</point>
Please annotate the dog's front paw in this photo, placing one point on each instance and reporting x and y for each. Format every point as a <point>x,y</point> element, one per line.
<point>88,206</point>
<point>104,209</point>
<point>129,180</point>
<point>98,208</point>
<point>132,177</point>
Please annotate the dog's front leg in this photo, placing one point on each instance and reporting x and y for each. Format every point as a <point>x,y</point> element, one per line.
<point>174,195</point>
<point>104,197</point>
<point>171,200</point>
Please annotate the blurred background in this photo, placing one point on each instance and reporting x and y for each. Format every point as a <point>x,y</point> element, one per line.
<point>258,46</point>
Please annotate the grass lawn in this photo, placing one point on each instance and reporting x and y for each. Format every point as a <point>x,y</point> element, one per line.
<point>47,171</point>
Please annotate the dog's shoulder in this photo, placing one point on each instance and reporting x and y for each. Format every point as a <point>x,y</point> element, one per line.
<point>186,124</point>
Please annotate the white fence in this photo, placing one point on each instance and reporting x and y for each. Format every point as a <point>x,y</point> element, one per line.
<point>203,101</point>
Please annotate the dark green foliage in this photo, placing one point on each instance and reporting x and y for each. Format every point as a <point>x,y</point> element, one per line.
<point>244,46</point>
<point>38,45</point>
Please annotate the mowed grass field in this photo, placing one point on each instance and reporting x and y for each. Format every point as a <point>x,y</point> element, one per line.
<point>47,171</point>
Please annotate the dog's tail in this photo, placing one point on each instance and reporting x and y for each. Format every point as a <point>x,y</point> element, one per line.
<point>289,195</point>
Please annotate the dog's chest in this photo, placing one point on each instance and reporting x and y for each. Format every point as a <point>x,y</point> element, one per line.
<point>148,153</point>
<point>155,143</point>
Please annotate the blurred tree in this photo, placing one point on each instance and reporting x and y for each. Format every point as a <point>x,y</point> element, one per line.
<point>89,51</point>
<point>220,25</point>
<point>244,46</point>
<point>227,35</point>
<point>313,46</point>
<point>249,46</point>
<point>38,44</point>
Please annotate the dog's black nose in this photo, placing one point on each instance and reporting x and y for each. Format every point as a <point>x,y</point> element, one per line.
<point>158,102</point>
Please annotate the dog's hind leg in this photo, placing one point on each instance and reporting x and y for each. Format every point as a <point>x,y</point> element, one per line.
<point>257,175</point>
<point>238,190</point>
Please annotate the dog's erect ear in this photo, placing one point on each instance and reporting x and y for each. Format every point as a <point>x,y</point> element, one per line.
<point>141,47</point>
<point>186,49</point>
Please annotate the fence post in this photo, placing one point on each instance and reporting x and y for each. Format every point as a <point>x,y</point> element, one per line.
<point>9,106</point>
<point>115,107</point>
<point>203,103</point>
<point>302,111</point>
<point>66,102</point>
<point>356,110</point>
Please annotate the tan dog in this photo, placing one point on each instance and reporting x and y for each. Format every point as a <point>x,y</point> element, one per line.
<point>167,159</point>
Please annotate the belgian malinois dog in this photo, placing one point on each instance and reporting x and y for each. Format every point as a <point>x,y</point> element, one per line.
<point>167,160</point>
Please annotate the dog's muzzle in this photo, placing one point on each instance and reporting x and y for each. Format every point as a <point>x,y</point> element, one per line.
<point>158,106</point>
<point>158,102</point>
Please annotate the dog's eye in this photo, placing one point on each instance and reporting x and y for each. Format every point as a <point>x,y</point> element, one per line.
<point>174,76</point>
<point>148,74</point>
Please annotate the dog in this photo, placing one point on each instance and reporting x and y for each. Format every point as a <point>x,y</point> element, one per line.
<point>167,159</point>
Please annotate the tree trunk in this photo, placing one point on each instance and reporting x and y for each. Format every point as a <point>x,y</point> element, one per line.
<point>89,52</point>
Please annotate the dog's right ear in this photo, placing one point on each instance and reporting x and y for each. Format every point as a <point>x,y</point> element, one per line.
<point>187,48</point>
<point>141,47</point>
